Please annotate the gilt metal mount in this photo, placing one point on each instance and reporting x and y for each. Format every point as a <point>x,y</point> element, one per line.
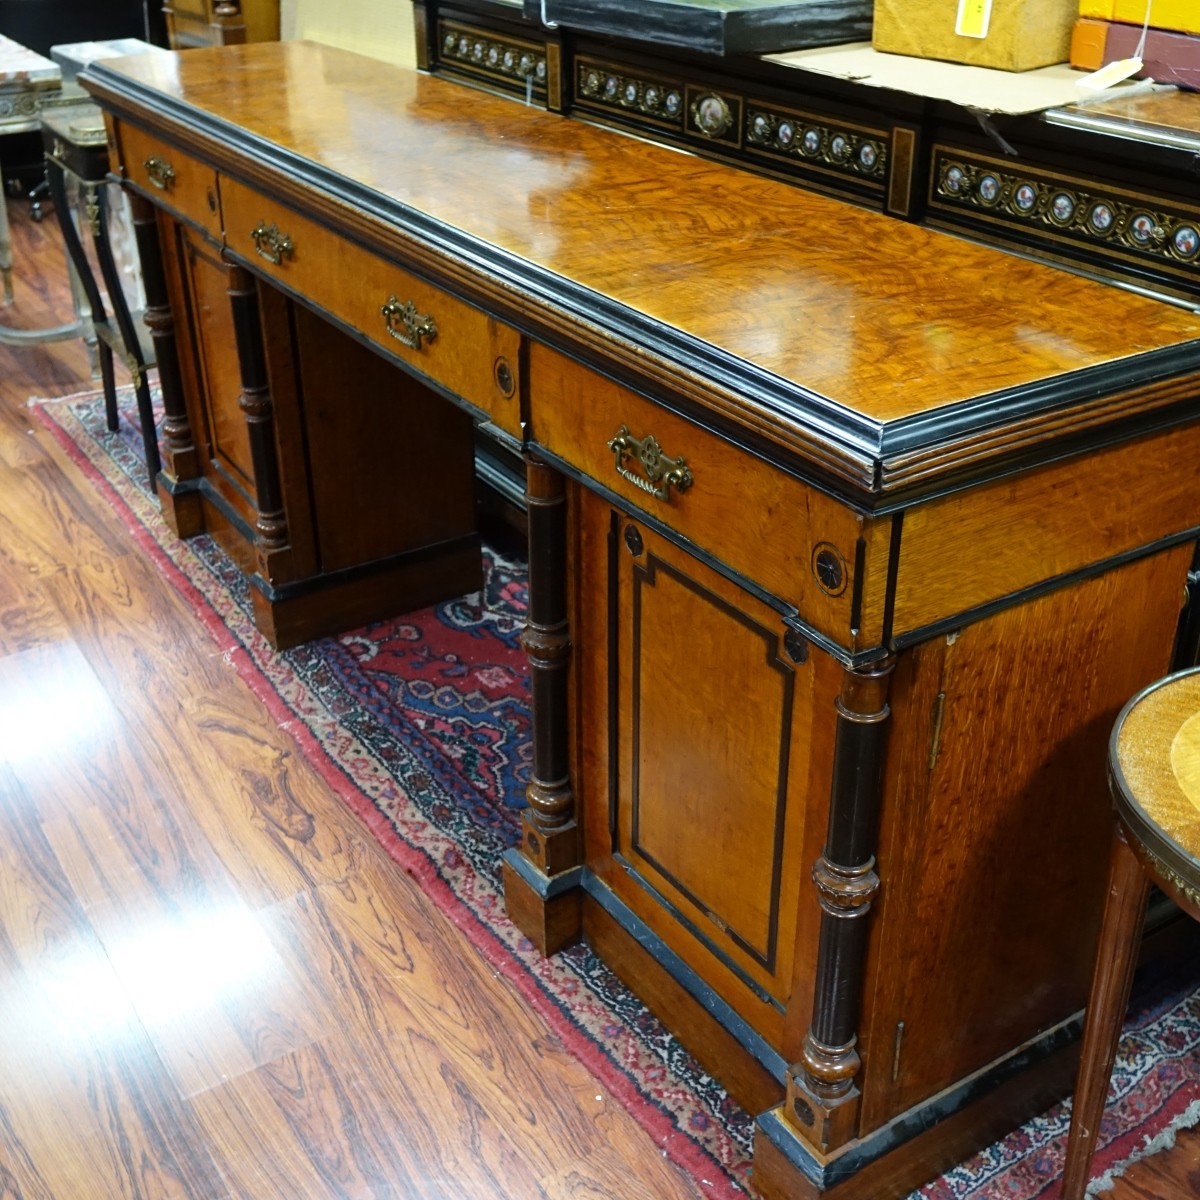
<point>661,473</point>
<point>160,172</point>
<point>270,243</point>
<point>407,325</point>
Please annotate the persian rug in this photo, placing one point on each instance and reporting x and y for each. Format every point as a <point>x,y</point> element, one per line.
<point>421,725</point>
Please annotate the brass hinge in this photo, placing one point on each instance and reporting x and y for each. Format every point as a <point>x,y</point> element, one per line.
<point>935,741</point>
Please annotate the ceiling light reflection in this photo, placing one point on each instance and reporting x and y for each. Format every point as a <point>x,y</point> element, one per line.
<point>179,968</point>
<point>53,710</point>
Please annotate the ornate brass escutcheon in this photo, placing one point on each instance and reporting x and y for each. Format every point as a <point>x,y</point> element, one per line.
<point>159,172</point>
<point>661,473</point>
<point>407,325</point>
<point>270,243</point>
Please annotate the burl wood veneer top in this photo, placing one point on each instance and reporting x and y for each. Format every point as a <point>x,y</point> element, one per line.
<point>1156,756</point>
<point>883,318</point>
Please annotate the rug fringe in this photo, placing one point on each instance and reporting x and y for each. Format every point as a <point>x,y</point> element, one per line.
<point>1163,1140</point>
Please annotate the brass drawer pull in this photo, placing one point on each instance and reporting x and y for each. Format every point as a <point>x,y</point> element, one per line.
<point>407,325</point>
<point>661,473</point>
<point>270,243</point>
<point>159,172</point>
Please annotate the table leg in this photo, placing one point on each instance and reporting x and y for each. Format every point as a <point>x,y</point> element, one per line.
<point>1116,957</point>
<point>129,336</point>
<point>6,259</point>
<point>32,337</point>
<point>83,273</point>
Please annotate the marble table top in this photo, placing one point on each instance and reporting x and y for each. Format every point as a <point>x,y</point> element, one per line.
<point>21,65</point>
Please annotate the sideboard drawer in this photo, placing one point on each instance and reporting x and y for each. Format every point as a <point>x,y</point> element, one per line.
<point>177,182</point>
<point>436,335</point>
<point>770,527</point>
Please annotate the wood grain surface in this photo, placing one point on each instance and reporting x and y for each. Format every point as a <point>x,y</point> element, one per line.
<point>885,318</point>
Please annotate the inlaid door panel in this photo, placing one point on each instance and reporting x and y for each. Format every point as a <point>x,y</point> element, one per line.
<point>710,729</point>
<point>721,780</point>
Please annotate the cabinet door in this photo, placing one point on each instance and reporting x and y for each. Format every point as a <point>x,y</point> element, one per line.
<point>996,825</point>
<point>711,730</point>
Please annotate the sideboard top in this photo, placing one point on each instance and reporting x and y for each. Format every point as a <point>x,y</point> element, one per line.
<point>803,314</point>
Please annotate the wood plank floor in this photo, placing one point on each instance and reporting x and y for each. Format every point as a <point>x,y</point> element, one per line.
<point>212,983</point>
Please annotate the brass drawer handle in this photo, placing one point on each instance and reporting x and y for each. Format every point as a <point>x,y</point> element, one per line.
<point>270,243</point>
<point>661,473</point>
<point>407,325</point>
<point>159,172</point>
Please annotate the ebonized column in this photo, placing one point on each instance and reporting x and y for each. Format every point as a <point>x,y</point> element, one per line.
<point>823,1094</point>
<point>540,877</point>
<point>181,463</point>
<point>549,824</point>
<point>271,533</point>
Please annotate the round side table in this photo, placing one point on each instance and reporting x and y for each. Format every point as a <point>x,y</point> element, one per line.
<point>1154,772</point>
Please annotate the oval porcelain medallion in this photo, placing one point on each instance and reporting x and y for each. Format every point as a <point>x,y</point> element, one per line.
<point>1185,758</point>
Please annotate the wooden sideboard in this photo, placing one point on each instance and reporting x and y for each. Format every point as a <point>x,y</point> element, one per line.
<point>848,539</point>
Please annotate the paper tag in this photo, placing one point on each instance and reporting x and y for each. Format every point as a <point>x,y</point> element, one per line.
<point>1110,74</point>
<point>974,17</point>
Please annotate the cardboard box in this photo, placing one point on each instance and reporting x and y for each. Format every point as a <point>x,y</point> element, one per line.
<point>1088,40</point>
<point>1180,15</point>
<point>1167,57</point>
<point>1021,34</point>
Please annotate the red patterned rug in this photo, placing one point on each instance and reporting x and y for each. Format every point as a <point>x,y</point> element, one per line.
<point>421,725</point>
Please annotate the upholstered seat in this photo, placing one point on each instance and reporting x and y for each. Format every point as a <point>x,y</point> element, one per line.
<point>1154,771</point>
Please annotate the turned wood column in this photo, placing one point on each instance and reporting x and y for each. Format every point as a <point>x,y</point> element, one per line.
<point>541,875</point>
<point>271,533</point>
<point>549,828</point>
<point>180,471</point>
<point>179,451</point>
<point>823,1095</point>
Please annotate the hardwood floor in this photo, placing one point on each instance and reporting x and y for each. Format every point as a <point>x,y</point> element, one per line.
<point>212,982</point>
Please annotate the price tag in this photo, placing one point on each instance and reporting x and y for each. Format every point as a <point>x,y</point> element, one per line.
<point>974,17</point>
<point>1110,74</point>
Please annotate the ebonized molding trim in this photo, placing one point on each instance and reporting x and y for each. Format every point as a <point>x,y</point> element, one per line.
<point>752,1042</point>
<point>825,1173</point>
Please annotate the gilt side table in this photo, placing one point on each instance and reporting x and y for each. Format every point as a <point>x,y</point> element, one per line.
<point>76,148</point>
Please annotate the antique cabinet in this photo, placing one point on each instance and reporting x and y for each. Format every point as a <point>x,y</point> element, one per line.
<point>192,23</point>
<point>848,538</point>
